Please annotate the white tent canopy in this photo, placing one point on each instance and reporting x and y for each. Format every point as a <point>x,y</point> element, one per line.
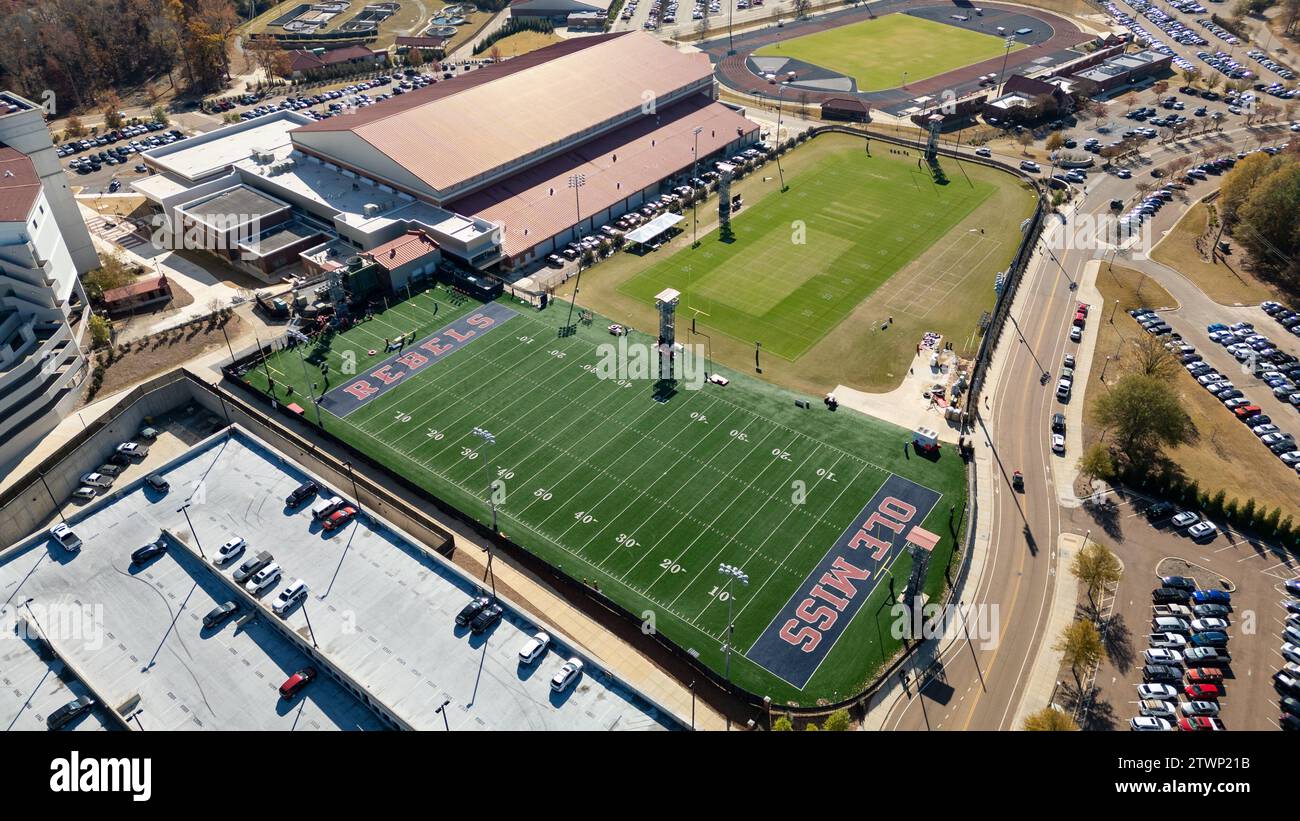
<point>654,228</point>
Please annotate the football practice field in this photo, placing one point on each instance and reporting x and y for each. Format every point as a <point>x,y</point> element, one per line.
<point>646,494</point>
<point>889,51</point>
<point>804,259</point>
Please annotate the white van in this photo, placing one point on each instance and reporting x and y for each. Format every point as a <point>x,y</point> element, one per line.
<point>325,507</point>
<point>263,579</point>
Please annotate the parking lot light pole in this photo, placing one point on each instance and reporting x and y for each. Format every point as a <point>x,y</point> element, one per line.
<point>58,508</point>
<point>185,509</point>
<point>779,91</point>
<point>355,493</point>
<point>732,573</point>
<point>442,711</point>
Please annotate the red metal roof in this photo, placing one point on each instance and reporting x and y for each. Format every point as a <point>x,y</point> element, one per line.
<point>20,185</point>
<point>143,286</point>
<point>407,248</point>
<point>536,204</point>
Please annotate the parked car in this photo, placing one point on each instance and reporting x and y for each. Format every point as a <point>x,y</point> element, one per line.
<point>485,618</point>
<point>149,551</point>
<point>567,675</point>
<point>157,483</point>
<point>74,709</point>
<point>1149,723</point>
<point>219,614</point>
<point>291,595</point>
<point>230,549</point>
<point>340,517</point>
<point>1199,723</point>
<point>294,684</point>
<point>534,648</point>
<point>65,537</point>
<point>469,611</point>
<point>301,494</point>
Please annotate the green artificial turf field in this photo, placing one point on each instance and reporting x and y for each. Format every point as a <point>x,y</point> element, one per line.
<point>876,53</point>
<point>803,259</point>
<point>641,496</point>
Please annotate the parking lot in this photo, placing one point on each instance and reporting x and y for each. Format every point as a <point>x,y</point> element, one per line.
<point>134,630</point>
<point>381,609</point>
<point>1253,573</point>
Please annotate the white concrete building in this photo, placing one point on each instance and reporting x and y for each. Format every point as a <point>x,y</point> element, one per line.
<point>44,312</point>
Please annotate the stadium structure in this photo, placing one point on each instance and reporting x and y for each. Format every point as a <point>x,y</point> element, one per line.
<point>481,163</point>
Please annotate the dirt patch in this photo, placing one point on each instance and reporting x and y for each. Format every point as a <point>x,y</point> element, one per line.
<point>149,356</point>
<point>1206,579</point>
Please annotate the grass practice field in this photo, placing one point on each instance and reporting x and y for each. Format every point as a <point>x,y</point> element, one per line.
<point>640,494</point>
<point>802,260</point>
<point>876,53</point>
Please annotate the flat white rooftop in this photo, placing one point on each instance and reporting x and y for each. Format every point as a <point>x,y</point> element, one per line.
<point>206,154</point>
<point>382,609</point>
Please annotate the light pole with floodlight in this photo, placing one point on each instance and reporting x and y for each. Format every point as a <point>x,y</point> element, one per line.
<point>490,439</point>
<point>732,573</point>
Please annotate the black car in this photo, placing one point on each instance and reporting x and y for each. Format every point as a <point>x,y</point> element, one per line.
<point>220,613</point>
<point>1288,722</point>
<point>1058,422</point>
<point>469,611</point>
<point>301,494</point>
<point>1181,582</point>
<point>65,714</point>
<point>1161,673</point>
<point>1159,510</point>
<point>157,482</point>
<point>486,617</point>
<point>1290,705</point>
<point>119,459</point>
<point>149,551</point>
<point>1170,595</point>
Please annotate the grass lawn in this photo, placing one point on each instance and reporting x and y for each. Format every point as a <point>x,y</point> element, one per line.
<point>814,271</point>
<point>1226,282</point>
<point>643,497</point>
<point>1225,454</point>
<point>876,53</point>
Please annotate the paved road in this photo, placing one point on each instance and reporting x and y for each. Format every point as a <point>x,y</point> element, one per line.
<point>978,686</point>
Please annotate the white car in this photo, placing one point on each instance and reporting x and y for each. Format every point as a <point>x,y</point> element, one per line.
<point>289,596</point>
<point>567,675</point>
<point>68,540</point>
<point>1199,708</point>
<point>263,579</point>
<point>1157,692</point>
<point>1076,333</point>
<point>534,648</point>
<point>1163,655</point>
<point>1149,723</point>
<point>1202,530</point>
<point>1291,652</point>
<point>1058,443</point>
<point>1263,430</point>
<point>231,549</point>
<point>132,449</point>
<point>1184,519</point>
<point>1167,641</point>
<point>84,493</point>
<point>1158,709</point>
<point>1201,625</point>
<point>983,152</point>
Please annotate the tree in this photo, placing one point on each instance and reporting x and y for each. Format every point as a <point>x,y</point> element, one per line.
<point>74,128</point>
<point>1054,141</point>
<point>1143,414</point>
<point>160,115</point>
<point>1096,462</point>
<point>801,8</point>
<point>1096,566</point>
<point>1268,226</point>
<point>111,273</point>
<point>1026,139</point>
<point>837,721</point>
<point>1080,647</point>
<point>1152,358</point>
<point>112,109</point>
<point>99,331</point>
<point>1050,720</point>
<point>782,725</point>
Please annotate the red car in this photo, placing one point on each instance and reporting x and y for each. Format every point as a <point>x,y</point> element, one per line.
<point>1204,675</point>
<point>1203,691</point>
<point>1082,309</point>
<point>340,517</point>
<point>297,681</point>
<point>1194,723</point>
<point>1080,319</point>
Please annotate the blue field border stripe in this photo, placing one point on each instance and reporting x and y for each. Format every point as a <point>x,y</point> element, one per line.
<point>803,632</point>
<point>360,390</point>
